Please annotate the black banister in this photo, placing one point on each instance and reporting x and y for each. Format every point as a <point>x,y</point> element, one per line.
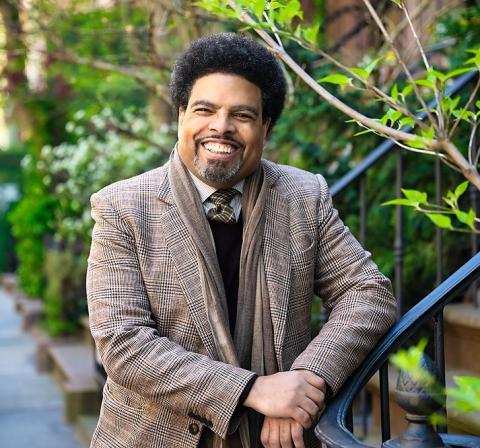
<point>331,427</point>
<point>385,147</point>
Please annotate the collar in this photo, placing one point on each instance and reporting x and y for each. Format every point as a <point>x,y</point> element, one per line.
<point>205,190</point>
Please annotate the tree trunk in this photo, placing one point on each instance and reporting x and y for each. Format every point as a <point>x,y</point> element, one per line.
<point>17,116</point>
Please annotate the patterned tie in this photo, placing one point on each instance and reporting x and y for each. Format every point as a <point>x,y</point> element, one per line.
<point>222,212</point>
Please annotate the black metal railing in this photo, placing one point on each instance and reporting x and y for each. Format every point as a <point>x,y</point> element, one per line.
<point>336,425</point>
<point>332,427</point>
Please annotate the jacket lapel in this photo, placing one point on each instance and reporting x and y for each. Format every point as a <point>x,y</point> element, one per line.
<point>184,256</point>
<point>276,247</point>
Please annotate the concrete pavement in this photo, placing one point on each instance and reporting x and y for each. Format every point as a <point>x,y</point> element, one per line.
<point>31,404</point>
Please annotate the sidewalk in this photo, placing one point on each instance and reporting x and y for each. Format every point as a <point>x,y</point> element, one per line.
<point>31,405</point>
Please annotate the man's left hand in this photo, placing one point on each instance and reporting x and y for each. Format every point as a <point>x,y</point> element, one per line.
<point>281,433</point>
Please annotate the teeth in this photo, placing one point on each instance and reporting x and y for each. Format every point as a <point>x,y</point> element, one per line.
<point>219,148</point>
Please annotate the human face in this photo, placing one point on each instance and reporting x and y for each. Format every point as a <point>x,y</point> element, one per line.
<point>221,133</point>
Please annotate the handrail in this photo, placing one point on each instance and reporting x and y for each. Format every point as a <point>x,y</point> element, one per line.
<point>331,428</point>
<point>385,147</point>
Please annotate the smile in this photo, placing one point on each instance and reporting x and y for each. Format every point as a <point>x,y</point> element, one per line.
<point>218,148</point>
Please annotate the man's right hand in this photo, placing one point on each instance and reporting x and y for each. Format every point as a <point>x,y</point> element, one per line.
<point>296,394</point>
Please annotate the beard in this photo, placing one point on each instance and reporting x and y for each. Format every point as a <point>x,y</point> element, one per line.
<point>216,171</point>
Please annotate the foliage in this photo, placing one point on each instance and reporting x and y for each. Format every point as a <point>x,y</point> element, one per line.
<point>439,215</point>
<point>432,137</point>
<point>65,299</point>
<point>31,220</point>
<point>97,158</point>
<point>464,396</point>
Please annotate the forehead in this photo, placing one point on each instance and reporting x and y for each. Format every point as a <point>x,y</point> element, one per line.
<point>225,89</point>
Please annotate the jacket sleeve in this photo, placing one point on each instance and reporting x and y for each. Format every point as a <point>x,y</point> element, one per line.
<point>357,295</point>
<point>133,354</point>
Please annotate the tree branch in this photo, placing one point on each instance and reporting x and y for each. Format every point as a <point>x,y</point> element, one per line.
<point>467,105</point>
<point>400,60</point>
<point>132,72</point>
<point>450,149</point>
<point>441,121</point>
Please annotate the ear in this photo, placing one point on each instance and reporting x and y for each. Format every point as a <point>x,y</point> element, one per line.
<point>181,116</point>
<point>266,128</point>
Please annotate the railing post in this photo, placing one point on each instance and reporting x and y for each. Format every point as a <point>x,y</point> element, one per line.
<point>419,398</point>
<point>398,245</point>
<point>475,297</point>
<point>438,319</point>
<point>363,241</point>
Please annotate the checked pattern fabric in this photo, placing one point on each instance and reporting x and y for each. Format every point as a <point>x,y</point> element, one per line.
<point>222,212</point>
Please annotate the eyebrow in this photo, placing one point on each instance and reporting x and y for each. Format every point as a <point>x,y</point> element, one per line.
<point>236,108</point>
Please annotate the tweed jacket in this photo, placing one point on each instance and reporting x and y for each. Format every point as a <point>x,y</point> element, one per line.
<point>148,315</point>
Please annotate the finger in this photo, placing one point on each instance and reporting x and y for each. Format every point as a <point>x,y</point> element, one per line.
<point>274,434</point>
<point>302,417</point>
<point>286,434</point>
<point>316,395</point>
<point>297,435</point>
<point>264,435</point>
<point>310,407</point>
<point>314,380</point>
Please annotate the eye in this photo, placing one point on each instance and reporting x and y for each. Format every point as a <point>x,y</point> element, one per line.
<point>244,116</point>
<point>202,110</point>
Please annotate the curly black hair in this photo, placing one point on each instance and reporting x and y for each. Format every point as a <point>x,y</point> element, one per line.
<point>232,54</point>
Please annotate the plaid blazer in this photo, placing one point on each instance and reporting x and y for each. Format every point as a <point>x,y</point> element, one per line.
<point>148,316</point>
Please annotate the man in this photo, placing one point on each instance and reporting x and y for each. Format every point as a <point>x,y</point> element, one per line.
<point>202,273</point>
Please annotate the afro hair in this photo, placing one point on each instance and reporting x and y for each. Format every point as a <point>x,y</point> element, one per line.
<point>231,54</point>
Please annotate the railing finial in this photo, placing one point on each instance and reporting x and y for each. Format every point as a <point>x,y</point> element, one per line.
<point>420,398</point>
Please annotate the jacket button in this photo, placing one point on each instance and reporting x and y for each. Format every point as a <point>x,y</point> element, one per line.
<point>193,429</point>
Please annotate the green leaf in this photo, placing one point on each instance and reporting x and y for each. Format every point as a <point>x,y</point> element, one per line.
<point>417,142</point>
<point>401,201</point>
<point>429,134</point>
<point>464,115</point>
<point>258,6</point>
<point>310,34</point>
<point>398,3</point>
<point>394,92</point>
<point>407,90</point>
<point>360,72</point>
<point>459,71</point>
<point>466,394</point>
<point>337,78</point>
<point>390,117</point>
<point>435,74</point>
<point>420,197</point>
<point>287,12</point>
<point>426,83</point>
<point>406,121</point>
<point>442,221</point>
<point>477,103</point>
<point>449,104</point>
<point>462,188</point>
<point>371,66</point>
<point>466,218</point>
<point>366,131</point>
<point>476,59</point>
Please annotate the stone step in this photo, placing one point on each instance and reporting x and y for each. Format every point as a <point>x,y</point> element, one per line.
<point>30,309</point>
<point>462,336</point>
<point>457,423</point>
<point>72,365</point>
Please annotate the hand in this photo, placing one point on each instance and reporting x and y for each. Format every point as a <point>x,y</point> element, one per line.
<point>281,432</point>
<point>297,394</point>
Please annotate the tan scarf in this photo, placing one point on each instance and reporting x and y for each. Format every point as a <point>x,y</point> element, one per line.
<point>252,347</point>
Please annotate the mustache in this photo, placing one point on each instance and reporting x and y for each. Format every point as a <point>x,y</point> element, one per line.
<point>225,139</point>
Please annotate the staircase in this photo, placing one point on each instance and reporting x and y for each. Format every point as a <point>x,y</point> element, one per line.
<point>454,329</point>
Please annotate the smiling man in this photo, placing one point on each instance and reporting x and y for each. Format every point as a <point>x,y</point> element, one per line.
<point>202,274</point>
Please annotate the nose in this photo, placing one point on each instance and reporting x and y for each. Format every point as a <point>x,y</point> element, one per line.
<point>221,123</point>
